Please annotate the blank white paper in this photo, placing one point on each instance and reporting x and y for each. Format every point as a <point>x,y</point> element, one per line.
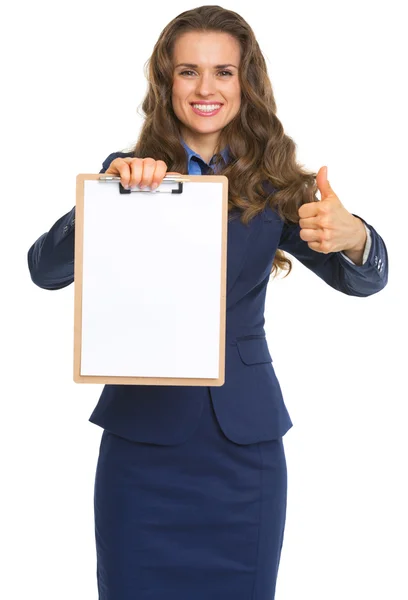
<point>151,281</point>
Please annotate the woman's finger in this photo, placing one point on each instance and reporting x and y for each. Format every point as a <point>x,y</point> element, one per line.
<point>148,169</point>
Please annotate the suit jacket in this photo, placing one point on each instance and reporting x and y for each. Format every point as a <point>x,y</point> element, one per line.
<point>249,406</point>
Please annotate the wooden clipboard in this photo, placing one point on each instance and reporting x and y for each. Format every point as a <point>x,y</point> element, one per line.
<point>150,281</point>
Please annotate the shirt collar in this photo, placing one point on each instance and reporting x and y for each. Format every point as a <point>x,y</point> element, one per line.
<point>190,153</point>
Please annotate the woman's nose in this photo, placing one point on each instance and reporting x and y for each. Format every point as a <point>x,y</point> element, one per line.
<point>206,84</point>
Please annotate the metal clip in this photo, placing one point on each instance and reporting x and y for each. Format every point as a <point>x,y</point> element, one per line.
<point>166,179</point>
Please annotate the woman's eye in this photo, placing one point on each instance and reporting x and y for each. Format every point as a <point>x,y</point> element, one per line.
<point>183,72</point>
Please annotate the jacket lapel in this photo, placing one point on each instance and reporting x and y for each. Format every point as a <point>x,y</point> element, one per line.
<point>238,243</point>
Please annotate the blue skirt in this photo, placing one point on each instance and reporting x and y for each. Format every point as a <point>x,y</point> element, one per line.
<point>196,521</point>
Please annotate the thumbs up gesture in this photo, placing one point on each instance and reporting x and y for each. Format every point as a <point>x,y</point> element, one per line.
<point>327,226</point>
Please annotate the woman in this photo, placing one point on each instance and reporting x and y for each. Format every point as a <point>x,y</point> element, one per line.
<point>191,482</point>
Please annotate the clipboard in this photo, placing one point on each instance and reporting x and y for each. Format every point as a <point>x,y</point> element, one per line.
<point>150,281</point>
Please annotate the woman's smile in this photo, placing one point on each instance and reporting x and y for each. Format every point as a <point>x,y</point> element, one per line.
<point>206,110</point>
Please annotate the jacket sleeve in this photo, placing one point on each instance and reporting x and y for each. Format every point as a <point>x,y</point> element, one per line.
<point>51,257</point>
<point>334,268</point>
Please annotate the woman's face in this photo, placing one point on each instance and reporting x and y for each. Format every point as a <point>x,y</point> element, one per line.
<point>205,71</point>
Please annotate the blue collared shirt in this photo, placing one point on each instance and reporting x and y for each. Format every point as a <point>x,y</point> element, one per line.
<point>197,165</point>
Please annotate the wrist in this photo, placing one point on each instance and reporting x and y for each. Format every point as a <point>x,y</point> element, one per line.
<point>360,237</point>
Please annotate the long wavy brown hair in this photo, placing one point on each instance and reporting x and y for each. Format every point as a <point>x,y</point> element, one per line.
<point>259,149</point>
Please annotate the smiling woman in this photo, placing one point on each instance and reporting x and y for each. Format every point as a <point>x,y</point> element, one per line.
<point>191,481</point>
<point>207,97</point>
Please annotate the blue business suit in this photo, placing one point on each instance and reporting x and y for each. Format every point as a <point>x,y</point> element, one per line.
<point>167,414</point>
<point>161,426</point>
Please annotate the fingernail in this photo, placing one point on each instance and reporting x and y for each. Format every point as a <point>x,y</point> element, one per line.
<point>154,185</point>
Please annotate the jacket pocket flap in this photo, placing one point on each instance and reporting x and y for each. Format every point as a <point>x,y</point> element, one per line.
<point>254,351</point>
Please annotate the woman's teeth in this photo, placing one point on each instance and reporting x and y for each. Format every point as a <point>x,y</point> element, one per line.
<point>206,107</point>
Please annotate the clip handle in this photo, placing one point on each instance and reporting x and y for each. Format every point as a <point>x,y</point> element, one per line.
<point>166,179</point>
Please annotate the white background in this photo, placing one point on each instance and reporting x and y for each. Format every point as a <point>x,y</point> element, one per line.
<point>72,81</point>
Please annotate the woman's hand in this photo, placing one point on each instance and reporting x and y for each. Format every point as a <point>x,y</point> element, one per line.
<point>327,226</point>
<point>142,172</point>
